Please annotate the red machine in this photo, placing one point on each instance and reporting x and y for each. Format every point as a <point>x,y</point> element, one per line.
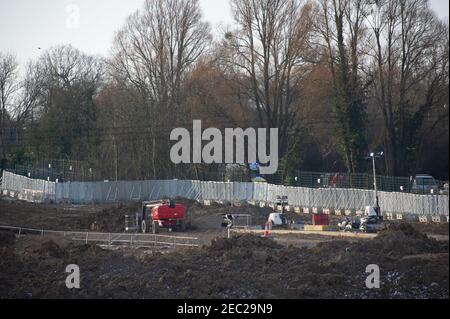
<point>162,214</point>
<point>320,219</point>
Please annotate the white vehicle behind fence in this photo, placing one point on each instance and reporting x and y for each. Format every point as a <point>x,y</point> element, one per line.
<point>425,184</point>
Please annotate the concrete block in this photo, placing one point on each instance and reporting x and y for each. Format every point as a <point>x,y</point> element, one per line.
<point>12,194</point>
<point>399,216</point>
<point>288,208</point>
<point>251,202</point>
<point>439,218</point>
<point>297,210</point>
<point>319,228</point>
<point>32,196</point>
<point>317,210</point>
<point>389,216</point>
<point>326,211</point>
<point>424,218</point>
<point>359,212</point>
<point>262,204</point>
<point>305,210</point>
<point>207,202</point>
<point>5,192</point>
<point>348,212</point>
<point>271,205</point>
<point>339,212</point>
<point>410,217</point>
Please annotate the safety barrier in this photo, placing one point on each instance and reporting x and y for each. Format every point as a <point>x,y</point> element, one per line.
<point>331,198</point>
<point>132,239</point>
<point>40,190</point>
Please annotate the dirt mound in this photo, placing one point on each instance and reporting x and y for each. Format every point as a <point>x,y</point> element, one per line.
<point>244,266</point>
<point>111,220</point>
<point>242,241</point>
<point>404,228</point>
<point>88,249</point>
<point>432,228</point>
<point>412,265</point>
<point>400,239</point>
<point>51,249</point>
<point>105,217</point>
<point>7,238</point>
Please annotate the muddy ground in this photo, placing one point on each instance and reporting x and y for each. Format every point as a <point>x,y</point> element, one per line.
<point>204,222</point>
<point>412,265</point>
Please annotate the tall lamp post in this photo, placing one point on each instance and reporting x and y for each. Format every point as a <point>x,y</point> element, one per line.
<point>374,156</point>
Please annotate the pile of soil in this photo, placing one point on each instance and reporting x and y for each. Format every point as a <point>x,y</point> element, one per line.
<point>111,220</point>
<point>246,266</point>
<point>7,238</point>
<point>401,239</point>
<point>103,218</point>
<point>432,228</point>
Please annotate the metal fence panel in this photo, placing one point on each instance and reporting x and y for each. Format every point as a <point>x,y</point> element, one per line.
<point>114,191</point>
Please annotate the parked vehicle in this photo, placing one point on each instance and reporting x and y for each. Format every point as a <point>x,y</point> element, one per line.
<point>444,189</point>
<point>277,218</point>
<point>425,184</point>
<point>162,214</point>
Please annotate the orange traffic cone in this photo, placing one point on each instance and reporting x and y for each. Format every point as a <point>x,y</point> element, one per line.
<point>266,230</point>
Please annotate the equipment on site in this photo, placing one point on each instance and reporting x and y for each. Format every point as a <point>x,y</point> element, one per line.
<point>227,220</point>
<point>162,214</point>
<point>132,223</point>
<point>370,223</point>
<point>231,220</point>
<point>320,219</point>
<point>349,224</point>
<point>278,218</point>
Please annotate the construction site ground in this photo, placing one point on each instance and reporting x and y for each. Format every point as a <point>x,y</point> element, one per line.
<point>413,258</point>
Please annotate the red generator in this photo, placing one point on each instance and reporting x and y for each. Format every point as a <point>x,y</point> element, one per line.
<point>162,214</point>
<point>320,219</point>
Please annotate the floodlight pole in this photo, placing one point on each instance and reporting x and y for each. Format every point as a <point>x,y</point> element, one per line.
<point>375,184</point>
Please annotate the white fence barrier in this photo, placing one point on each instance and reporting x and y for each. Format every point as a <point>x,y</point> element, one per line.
<point>41,190</point>
<point>132,239</point>
<point>332,198</point>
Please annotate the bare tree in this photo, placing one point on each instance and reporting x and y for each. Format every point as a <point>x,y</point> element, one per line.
<point>411,75</point>
<point>59,93</point>
<point>267,53</point>
<point>158,46</point>
<point>8,87</point>
<point>28,95</point>
<point>154,52</point>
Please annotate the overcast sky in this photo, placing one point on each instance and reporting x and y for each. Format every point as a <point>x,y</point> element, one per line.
<point>27,25</point>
